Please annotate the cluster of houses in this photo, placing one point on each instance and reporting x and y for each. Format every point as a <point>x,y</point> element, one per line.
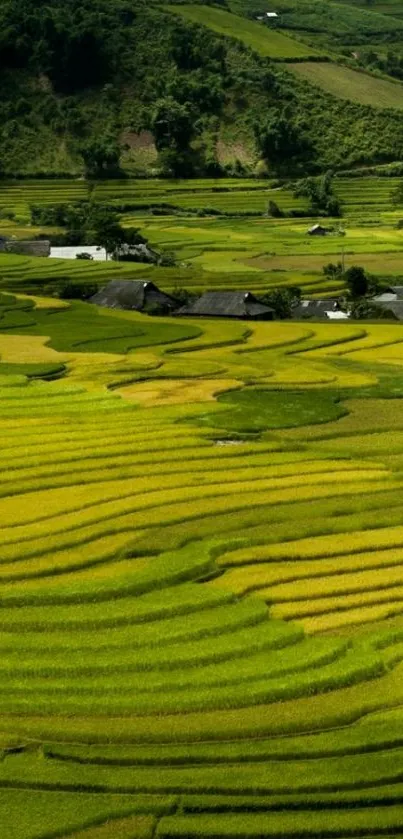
<point>145,296</point>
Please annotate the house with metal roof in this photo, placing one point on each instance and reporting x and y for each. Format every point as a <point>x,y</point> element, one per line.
<point>138,295</point>
<point>228,304</point>
<point>319,310</point>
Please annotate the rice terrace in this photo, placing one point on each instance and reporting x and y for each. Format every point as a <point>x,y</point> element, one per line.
<point>201,390</point>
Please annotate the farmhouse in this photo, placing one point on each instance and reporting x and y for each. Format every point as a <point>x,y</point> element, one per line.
<point>317,230</point>
<point>229,304</point>
<point>140,295</point>
<point>386,297</point>
<point>393,308</point>
<point>318,310</point>
<point>38,247</point>
<point>391,301</point>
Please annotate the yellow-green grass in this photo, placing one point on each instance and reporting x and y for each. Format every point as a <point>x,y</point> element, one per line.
<point>350,84</point>
<point>343,574</point>
<point>130,827</point>
<point>262,39</point>
<point>348,773</point>
<point>320,546</point>
<point>27,814</point>
<point>279,824</point>
<point>334,621</point>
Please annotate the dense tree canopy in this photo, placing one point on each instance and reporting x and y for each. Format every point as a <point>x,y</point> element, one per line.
<point>78,74</point>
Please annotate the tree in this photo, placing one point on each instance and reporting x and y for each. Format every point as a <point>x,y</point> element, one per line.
<point>321,194</point>
<point>274,210</point>
<point>108,233</point>
<point>173,127</point>
<point>171,124</point>
<point>356,281</point>
<point>282,300</point>
<point>101,156</point>
<point>280,139</point>
<point>68,290</point>
<point>397,194</point>
<point>333,271</point>
<point>363,309</point>
<point>183,296</point>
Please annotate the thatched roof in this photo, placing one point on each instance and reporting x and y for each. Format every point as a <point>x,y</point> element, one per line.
<point>132,294</point>
<point>228,304</point>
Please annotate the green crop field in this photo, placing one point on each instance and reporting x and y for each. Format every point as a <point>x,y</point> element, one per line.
<point>219,232</point>
<point>259,38</point>
<point>350,84</point>
<point>201,552</point>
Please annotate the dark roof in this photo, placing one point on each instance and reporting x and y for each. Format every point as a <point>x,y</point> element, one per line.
<point>318,229</point>
<point>131,294</point>
<point>398,289</point>
<point>228,304</point>
<point>314,309</point>
<point>394,306</point>
<point>38,247</point>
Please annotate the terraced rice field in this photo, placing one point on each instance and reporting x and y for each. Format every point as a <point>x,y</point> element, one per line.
<point>185,581</point>
<point>219,232</point>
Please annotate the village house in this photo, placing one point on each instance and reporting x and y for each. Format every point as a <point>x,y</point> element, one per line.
<point>36,247</point>
<point>319,310</point>
<point>138,295</point>
<point>228,304</point>
<point>317,230</point>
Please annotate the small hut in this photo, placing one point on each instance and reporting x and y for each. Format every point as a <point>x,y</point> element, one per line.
<point>317,230</point>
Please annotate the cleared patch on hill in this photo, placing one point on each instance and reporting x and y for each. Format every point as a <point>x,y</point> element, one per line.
<point>351,84</point>
<point>260,38</point>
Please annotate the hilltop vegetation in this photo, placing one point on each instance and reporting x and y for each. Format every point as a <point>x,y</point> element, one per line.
<point>111,87</point>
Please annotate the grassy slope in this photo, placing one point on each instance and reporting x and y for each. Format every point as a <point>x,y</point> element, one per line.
<point>350,84</point>
<point>43,129</point>
<point>264,41</point>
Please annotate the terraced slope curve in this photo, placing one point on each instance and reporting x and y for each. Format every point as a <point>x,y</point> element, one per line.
<point>188,577</point>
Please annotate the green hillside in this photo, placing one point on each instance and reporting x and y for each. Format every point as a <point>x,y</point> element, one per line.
<point>262,40</point>
<point>349,84</point>
<point>112,88</point>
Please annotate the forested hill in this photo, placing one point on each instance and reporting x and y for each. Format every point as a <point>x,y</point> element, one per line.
<point>125,86</point>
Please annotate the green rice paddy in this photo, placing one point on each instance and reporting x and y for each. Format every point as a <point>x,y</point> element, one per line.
<point>219,232</point>
<point>187,577</point>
